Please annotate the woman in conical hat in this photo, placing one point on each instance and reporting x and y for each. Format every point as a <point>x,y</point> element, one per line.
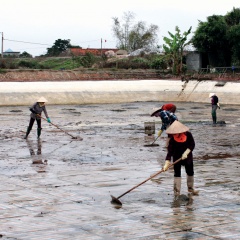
<point>181,146</point>
<point>36,111</point>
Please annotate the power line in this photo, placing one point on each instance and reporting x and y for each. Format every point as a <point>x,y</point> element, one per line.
<point>26,42</point>
<point>96,40</point>
<point>20,49</point>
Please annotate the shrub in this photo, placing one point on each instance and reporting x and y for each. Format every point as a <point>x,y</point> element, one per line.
<point>159,63</point>
<point>13,65</point>
<point>88,60</point>
<point>3,64</point>
<point>28,64</point>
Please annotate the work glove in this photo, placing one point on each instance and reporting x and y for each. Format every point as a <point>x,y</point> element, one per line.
<point>218,104</point>
<point>166,165</point>
<point>160,133</point>
<point>185,154</point>
<point>48,119</point>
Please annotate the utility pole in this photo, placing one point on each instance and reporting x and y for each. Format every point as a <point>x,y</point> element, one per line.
<point>101,46</point>
<point>2,45</point>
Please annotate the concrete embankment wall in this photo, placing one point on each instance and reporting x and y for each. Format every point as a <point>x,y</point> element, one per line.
<point>92,92</point>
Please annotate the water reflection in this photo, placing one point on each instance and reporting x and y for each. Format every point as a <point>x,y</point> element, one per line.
<point>36,155</point>
<point>183,213</point>
<point>182,200</point>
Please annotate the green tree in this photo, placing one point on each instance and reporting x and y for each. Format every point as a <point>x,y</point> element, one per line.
<point>131,36</point>
<point>25,55</point>
<point>174,47</point>
<point>233,18</point>
<point>233,34</point>
<point>58,47</point>
<point>211,38</point>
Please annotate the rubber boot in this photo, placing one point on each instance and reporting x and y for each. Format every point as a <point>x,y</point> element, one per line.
<point>39,132</point>
<point>190,183</point>
<point>177,186</point>
<point>214,119</point>
<point>27,133</point>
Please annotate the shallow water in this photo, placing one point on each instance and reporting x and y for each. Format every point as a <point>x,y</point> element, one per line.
<point>69,182</point>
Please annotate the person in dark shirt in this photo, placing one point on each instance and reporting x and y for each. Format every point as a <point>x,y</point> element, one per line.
<point>36,111</point>
<point>181,145</point>
<point>215,105</point>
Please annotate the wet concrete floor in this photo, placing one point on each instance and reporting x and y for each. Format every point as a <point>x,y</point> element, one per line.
<point>60,188</point>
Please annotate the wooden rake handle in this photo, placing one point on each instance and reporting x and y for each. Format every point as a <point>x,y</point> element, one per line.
<point>149,178</point>
<point>56,126</point>
<point>155,140</point>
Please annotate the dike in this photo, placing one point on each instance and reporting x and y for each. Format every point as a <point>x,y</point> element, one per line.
<point>24,87</point>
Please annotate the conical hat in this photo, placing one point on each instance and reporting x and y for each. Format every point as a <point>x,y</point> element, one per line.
<point>156,110</point>
<point>211,94</point>
<point>42,99</point>
<point>177,127</point>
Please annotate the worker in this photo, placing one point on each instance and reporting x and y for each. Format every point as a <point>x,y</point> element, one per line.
<point>167,115</point>
<point>36,111</point>
<point>215,105</point>
<point>181,145</point>
<point>169,107</point>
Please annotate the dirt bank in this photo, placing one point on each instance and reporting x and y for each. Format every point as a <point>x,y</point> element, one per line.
<point>117,91</point>
<point>79,75</point>
<point>100,74</point>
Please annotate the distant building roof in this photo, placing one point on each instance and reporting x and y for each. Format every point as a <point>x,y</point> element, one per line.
<point>9,50</point>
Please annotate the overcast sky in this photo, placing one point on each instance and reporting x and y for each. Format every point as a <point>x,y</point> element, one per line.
<point>86,22</point>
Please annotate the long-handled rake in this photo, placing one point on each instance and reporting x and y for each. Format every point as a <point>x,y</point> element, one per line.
<point>79,138</point>
<point>118,202</point>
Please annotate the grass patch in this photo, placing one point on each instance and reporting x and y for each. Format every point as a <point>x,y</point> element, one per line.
<point>58,64</point>
<point>2,71</point>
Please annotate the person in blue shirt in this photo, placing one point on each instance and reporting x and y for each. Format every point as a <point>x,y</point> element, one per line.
<point>36,110</point>
<point>167,118</point>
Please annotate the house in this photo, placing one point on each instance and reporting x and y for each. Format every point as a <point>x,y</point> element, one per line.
<point>10,53</point>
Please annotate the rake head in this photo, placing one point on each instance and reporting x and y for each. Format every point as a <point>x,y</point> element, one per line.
<point>116,201</point>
